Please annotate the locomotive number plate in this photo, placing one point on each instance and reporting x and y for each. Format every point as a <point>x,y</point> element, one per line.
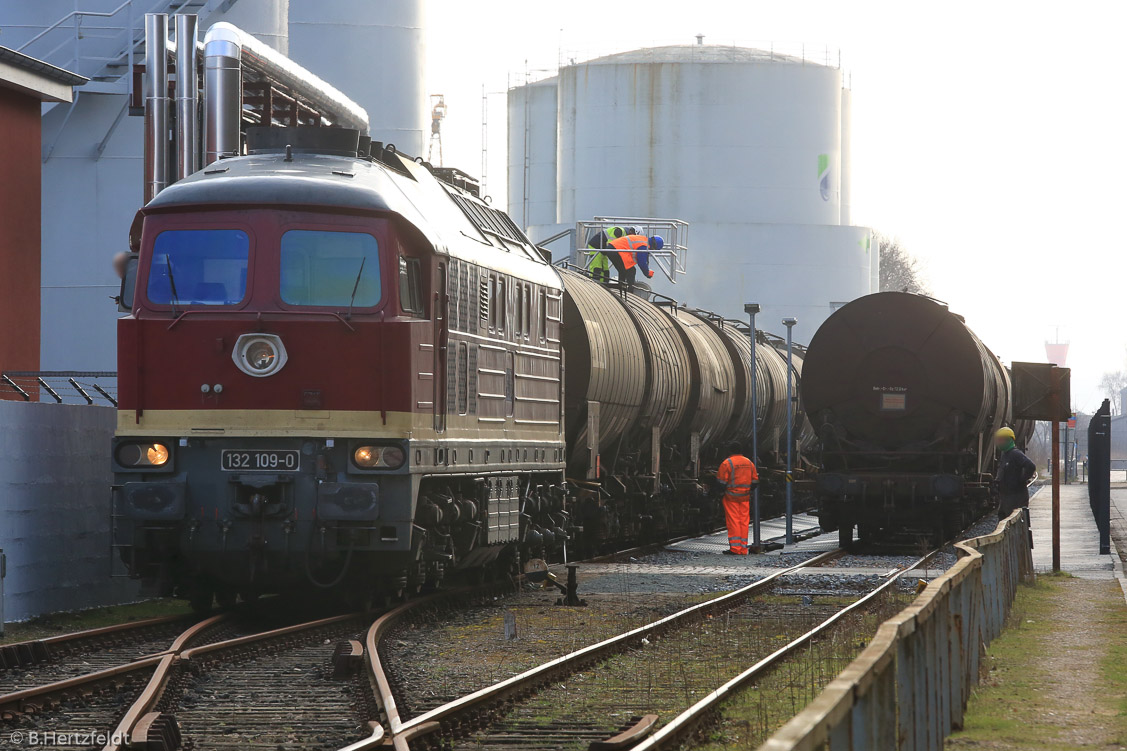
<point>234,460</point>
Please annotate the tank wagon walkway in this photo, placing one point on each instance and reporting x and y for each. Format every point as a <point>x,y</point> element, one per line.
<point>1079,537</point>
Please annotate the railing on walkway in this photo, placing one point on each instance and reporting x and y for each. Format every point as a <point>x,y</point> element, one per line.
<point>62,386</point>
<point>909,688</point>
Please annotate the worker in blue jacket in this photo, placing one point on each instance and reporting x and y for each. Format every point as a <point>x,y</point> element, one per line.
<point>1015,472</point>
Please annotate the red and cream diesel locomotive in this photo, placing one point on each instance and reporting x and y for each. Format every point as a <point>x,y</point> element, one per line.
<point>344,370</point>
<point>294,381</point>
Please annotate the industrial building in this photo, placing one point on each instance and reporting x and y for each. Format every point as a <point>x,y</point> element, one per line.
<point>749,146</point>
<point>25,83</point>
<point>92,147</point>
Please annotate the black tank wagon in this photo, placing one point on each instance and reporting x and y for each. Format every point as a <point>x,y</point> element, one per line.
<point>905,400</point>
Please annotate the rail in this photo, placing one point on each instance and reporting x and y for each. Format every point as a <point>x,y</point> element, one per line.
<point>909,688</point>
<point>677,730</point>
<point>449,716</point>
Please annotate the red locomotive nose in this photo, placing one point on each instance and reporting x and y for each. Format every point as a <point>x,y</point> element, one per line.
<point>257,310</point>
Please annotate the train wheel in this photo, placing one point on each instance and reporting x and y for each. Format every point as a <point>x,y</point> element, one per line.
<point>226,598</point>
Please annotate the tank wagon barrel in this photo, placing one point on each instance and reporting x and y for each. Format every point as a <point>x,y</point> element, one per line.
<point>654,367</point>
<point>905,399</point>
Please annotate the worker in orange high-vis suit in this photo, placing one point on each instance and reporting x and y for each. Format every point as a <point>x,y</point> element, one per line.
<point>738,475</point>
<point>627,261</point>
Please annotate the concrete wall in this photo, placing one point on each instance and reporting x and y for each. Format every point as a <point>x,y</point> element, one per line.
<point>54,509</point>
<point>19,237</point>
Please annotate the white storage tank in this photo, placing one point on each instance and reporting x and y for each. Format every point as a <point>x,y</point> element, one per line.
<point>748,146</point>
<point>532,153</point>
<point>375,51</point>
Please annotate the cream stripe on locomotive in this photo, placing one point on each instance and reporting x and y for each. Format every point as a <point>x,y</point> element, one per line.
<point>262,423</point>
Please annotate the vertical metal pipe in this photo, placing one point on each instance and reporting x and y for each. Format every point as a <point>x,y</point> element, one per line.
<point>751,309</point>
<point>156,104</point>
<point>1055,406</point>
<point>187,96</point>
<point>223,92</point>
<point>789,323</point>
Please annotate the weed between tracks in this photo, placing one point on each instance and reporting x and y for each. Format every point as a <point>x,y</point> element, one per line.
<point>676,670</point>
<point>760,709</point>
<point>435,657</point>
<point>54,624</point>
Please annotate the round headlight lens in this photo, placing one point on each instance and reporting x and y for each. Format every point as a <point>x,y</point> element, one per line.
<point>143,455</point>
<point>258,355</point>
<point>367,457</point>
<point>392,457</point>
<point>261,355</point>
<point>157,455</point>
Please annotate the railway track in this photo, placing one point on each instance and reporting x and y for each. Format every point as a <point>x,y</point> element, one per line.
<point>95,683</point>
<point>497,707</point>
<point>668,679</point>
<point>224,682</point>
<point>31,663</point>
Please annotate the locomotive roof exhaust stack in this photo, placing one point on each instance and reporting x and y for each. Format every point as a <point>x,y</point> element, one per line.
<point>232,56</point>
<point>223,92</point>
<point>156,104</point>
<point>187,96</point>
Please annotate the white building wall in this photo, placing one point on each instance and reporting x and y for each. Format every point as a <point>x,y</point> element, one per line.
<point>783,267</point>
<point>846,156</point>
<point>374,51</point>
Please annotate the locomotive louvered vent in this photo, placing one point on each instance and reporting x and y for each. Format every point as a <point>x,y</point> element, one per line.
<point>463,379</point>
<point>483,298</point>
<point>451,378</point>
<point>465,297</point>
<point>472,386</point>
<point>490,220</point>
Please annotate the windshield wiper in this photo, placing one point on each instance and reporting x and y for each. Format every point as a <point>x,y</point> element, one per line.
<point>356,286</point>
<point>172,283</point>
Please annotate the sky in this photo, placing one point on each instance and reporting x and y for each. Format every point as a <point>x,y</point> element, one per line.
<point>986,136</point>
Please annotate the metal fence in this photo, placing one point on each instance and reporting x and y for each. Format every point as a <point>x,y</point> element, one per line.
<point>909,688</point>
<point>61,386</point>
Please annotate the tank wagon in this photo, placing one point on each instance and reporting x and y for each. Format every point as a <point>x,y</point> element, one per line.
<point>904,399</point>
<point>344,370</point>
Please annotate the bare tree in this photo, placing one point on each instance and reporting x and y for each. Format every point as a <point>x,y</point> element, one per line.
<point>900,271</point>
<point>1112,385</point>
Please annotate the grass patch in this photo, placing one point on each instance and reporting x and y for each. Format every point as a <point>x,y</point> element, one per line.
<point>54,624</point>
<point>1057,676</point>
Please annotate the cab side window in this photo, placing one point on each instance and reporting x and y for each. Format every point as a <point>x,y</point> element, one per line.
<point>410,287</point>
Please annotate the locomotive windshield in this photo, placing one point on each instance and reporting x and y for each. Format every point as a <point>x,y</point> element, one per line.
<point>330,269</point>
<point>199,267</point>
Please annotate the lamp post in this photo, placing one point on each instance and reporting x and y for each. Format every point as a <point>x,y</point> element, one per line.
<point>789,323</point>
<point>751,309</point>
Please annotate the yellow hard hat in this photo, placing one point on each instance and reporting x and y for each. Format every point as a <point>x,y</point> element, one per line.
<point>1005,433</point>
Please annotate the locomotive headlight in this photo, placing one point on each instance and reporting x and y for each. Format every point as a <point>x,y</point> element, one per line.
<point>157,454</point>
<point>367,457</point>
<point>378,457</point>
<point>259,355</point>
<point>142,455</point>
